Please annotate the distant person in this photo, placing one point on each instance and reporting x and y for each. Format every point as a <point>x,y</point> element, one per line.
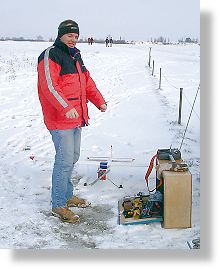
<point>89,40</point>
<point>111,42</point>
<point>107,42</point>
<point>64,88</point>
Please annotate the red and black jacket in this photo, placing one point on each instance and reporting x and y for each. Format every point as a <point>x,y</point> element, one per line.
<point>65,83</point>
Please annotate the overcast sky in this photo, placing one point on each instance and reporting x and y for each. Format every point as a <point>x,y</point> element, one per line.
<point>130,19</point>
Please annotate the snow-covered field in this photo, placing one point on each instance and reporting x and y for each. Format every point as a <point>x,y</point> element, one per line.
<point>139,120</point>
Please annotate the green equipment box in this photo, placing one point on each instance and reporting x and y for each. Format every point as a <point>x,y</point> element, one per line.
<point>140,209</point>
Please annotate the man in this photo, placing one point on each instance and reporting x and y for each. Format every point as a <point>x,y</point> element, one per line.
<point>111,42</point>
<point>106,42</point>
<point>64,88</point>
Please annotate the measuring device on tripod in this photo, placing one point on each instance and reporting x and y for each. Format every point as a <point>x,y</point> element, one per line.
<point>105,164</point>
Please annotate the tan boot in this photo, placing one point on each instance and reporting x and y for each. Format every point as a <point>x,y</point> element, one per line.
<point>65,215</point>
<point>77,202</point>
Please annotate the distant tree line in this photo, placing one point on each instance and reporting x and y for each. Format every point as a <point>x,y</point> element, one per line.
<point>39,38</point>
<point>166,40</point>
<point>188,40</point>
<point>21,38</point>
<point>161,39</point>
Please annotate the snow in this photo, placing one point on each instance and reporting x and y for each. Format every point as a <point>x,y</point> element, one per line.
<point>140,119</point>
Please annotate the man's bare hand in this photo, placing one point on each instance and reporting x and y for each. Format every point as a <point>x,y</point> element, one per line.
<point>72,113</point>
<point>103,107</point>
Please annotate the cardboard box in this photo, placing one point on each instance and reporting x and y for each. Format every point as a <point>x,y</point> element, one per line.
<point>177,199</point>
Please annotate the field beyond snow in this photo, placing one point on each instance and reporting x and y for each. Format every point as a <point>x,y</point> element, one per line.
<point>140,119</point>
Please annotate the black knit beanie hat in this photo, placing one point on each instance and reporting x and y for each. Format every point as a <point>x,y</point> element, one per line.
<point>68,26</point>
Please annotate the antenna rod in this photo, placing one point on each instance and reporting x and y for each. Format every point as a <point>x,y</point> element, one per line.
<point>189,117</point>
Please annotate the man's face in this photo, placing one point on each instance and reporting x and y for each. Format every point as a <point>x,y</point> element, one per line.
<point>70,39</point>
